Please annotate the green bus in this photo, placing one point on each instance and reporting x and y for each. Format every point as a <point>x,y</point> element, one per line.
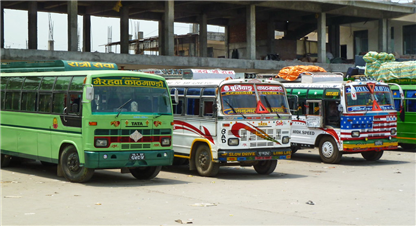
<point>84,116</point>
<point>406,132</point>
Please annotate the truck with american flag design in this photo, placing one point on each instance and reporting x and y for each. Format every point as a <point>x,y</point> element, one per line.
<point>342,117</point>
<point>228,121</point>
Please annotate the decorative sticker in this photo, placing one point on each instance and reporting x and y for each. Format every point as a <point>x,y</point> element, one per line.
<point>115,123</point>
<point>128,81</point>
<point>55,123</point>
<point>157,123</point>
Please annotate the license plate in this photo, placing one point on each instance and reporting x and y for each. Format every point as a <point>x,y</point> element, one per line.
<point>137,156</point>
<point>379,142</point>
<point>263,153</point>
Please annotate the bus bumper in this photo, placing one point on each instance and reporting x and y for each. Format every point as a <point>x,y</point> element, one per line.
<point>370,145</point>
<point>117,159</point>
<point>254,154</point>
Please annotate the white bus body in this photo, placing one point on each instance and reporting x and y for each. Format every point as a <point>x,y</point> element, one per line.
<point>231,121</point>
<point>365,121</point>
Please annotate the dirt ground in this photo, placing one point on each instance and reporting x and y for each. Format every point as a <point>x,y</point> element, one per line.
<point>301,191</point>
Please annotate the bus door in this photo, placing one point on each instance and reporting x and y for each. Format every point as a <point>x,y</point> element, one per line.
<point>314,116</point>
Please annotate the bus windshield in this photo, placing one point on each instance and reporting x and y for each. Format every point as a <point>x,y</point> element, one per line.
<point>241,99</point>
<point>365,100</point>
<point>131,99</point>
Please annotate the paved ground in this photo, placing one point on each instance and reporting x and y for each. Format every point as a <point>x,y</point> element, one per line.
<point>354,192</point>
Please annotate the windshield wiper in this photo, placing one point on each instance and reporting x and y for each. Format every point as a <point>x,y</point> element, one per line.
<point>233,108</point>
<point>268,105</point>
<point>119,108</point>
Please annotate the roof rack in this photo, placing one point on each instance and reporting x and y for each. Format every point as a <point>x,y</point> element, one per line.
<point>57,65</point>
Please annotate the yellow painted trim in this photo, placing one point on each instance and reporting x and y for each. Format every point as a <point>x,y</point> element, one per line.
<point>182,156</point>
<point>406,138</point>
<point>201,140</point>
<point>370,145</point>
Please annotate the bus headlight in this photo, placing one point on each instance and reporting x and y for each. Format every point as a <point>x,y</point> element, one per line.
<point>233,142</point>
<point>393,131</point>
<point>285,139</point>
<point>101,142</point>
<point>355,133</point>
<point>165,141</point>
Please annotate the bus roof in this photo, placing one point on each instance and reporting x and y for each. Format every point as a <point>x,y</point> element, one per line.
<point>217,82</point>
<point>57,65</point>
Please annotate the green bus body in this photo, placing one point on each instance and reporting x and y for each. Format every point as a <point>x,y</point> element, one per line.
<point>49,115</point>
<point>406,132</point>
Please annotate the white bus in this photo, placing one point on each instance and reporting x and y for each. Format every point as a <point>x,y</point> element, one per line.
<point>220,122</point>
<point>341,117</point>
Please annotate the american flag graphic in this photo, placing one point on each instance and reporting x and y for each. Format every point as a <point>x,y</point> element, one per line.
<point>372,127</point>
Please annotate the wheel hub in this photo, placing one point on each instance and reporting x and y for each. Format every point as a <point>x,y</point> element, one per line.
<point>73,162</point>
<point>327,149</point>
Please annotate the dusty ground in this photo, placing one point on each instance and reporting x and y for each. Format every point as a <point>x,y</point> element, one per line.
<point>354,192</point>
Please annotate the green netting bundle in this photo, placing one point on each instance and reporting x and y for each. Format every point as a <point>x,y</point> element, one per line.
<point>382,66</point>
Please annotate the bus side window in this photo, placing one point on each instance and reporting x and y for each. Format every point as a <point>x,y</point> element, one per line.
<point>28,102</point>
<point>178,108</point>
<point>193,106</point>
<point>208,109</point>
<point>44,102</point>
<point>59,103</point>
<point>75,104</point>
<point>411,103</point>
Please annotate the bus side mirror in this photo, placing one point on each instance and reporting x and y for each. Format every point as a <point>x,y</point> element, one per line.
<point>175,96</point>
<point>89,93</point>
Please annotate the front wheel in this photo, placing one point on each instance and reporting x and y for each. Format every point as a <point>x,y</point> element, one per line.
<point>372,155</point>
<point>71,167</point>
<point>328,151</point>
<point>203,162</point>
<point>265,167</point>
<point>145,173</point>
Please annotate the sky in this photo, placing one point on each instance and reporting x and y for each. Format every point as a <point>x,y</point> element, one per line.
<point>16,30</point>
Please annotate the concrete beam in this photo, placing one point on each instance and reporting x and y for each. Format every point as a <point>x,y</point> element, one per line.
<point>383,35</point>
<point>2,27</point>
<point>169,46</point>
<point>149,61</point>
<point>322,37</point>
<point>203,35</point>
<point>33,25</point>
<point>124,29</point>
<point>73,25</point>
<point>86,34</point>
<point>251,31</point>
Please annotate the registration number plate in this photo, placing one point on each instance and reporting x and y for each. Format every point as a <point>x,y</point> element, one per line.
<point>137,156</point>
<point>263,153</point>
<point>379,142</point>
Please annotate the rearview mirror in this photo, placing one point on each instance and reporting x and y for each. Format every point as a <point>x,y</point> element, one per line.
<point>175,96</point>
<point>89,94</point>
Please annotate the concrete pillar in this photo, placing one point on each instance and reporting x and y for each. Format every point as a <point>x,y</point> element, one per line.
<point>33,24</point>
<point>383,35</point>
<point>227,41</point>
<point>322,38</point>
<point>73,25</point>
<point>86,34</point>
<point>124,30</point>
<point>203,35</point>
<point>251,32</point>
<point>334,40</point>
<point>161,39</point>
<point>271,42</point>
<point>2,27</point>
<point>169,46</point>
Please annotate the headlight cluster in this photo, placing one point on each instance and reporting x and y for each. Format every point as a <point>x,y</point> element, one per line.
<point>233,142</point>
<point>102,142</point>
<point>285,139</point>
<point>165,141</point>
<point>355,133</point>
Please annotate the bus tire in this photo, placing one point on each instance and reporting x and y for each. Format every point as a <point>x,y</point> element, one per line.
<point>265,167</point>
<point>203,162</point>
<point>411,147</point>
<point>5,160</point>
<point>145,173</point>
<point>372,155</point>
<point>71,168</point>
<point>328,151</point>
